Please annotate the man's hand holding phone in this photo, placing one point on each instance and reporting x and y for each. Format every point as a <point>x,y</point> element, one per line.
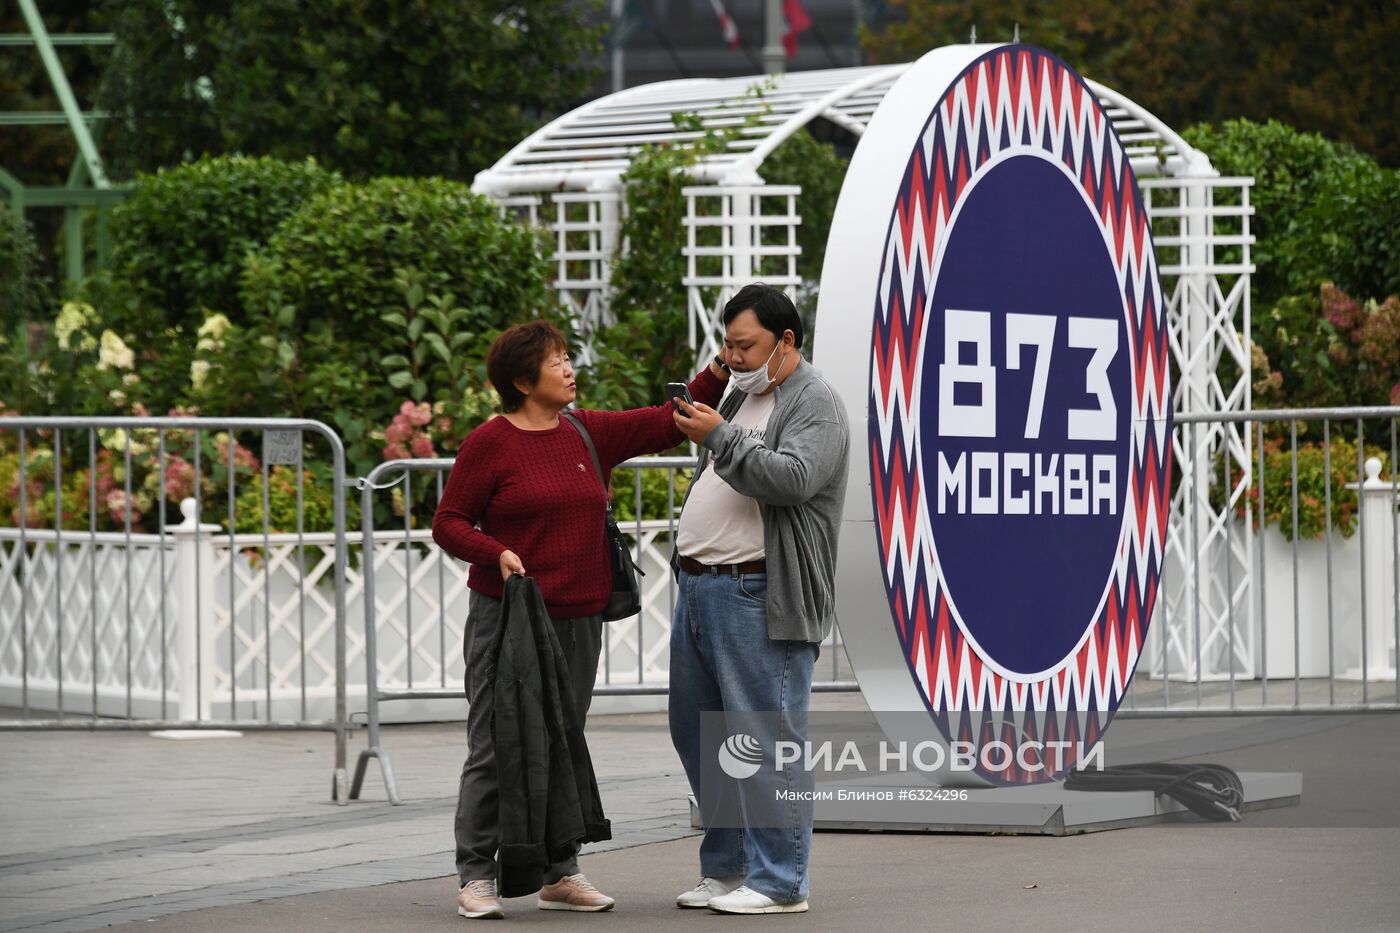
<point>678,390</point>
<point>695,421</point>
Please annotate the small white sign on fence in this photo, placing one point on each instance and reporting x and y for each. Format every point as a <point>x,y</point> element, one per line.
<point>282,447</point>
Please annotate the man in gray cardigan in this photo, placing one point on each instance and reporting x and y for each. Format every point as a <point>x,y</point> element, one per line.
<point>756,563</point>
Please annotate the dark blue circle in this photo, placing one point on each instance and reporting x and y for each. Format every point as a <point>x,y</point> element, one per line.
<point>1026,242</point>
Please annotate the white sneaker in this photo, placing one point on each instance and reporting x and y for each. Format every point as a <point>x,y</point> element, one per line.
<point>700,895</point>
<point>745,900</point>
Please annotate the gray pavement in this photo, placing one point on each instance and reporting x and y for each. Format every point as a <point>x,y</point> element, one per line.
<point>240,834</point>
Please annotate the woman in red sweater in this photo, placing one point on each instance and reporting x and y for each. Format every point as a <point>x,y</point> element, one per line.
<point>523,497</point>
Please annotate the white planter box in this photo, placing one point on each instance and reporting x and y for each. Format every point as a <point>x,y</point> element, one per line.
<point>1275,649</point>
<point>1315,635</point>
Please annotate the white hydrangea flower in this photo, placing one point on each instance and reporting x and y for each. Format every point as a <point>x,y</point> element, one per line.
<point>112,438</point>
<point>215,325</point>
<point>114,353</point>
<point>211,333</point>
<point>73,317</point>
<point>199,372</point>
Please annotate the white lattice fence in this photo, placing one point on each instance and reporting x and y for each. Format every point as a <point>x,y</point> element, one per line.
<point>272,632</point>
<point>432,617</point>
<point>81,619</point>
<point>248,625</point>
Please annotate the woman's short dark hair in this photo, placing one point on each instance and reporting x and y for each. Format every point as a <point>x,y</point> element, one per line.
<point>773,308</point>
<point>517,355</point>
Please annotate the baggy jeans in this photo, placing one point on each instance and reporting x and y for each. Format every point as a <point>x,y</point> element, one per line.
<point>723,659</point>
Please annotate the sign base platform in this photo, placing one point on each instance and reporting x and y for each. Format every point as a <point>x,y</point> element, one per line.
<point>1036,810</point>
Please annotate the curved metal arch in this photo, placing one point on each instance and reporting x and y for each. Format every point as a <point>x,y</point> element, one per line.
<point>592,146</point>
<point>824,106</point>
<point>1173,155</point>
<point>496,181</point>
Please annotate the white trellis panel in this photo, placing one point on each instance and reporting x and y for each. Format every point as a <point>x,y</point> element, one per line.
<point>735,235</point>
<point>521,208</point>
<point>1207,628</point>
<point>1207,292</point>
<point>586,228</point>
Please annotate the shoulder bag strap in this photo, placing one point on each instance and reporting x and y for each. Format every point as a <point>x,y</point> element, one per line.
<point>592,452</point>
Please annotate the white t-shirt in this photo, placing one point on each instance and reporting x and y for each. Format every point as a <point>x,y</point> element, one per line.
<point>719,525</point>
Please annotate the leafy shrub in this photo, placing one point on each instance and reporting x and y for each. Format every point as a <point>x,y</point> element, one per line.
<point>1323,211</point>
<point>179,241</point>
<point>654,492</point>
<point>94,492</point>
<point>1314,479</point>
<point>1327,349</point>
<point>83,367</point>
<point>370,293</point>
<point>317,506</point>
<point>815,166</point>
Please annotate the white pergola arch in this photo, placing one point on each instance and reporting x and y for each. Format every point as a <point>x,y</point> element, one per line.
<point>589,148</point>
<point>735,220</point>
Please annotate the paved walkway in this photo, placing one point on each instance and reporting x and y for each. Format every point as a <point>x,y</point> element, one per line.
<point>237,834</point>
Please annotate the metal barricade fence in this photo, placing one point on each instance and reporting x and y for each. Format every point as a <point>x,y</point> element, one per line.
<point>418,663</point>
<point>1281,580</point>
<point>1280,590</point>
<point>148,625</point>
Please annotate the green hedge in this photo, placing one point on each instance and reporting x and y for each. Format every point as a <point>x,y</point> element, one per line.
<point>373,294</point>
<point>815,166</point>
<point>1323,211</point>
<point>179,241</point>
<point>303,296</point>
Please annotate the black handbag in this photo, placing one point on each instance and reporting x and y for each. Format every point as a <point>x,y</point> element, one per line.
<point>626,599</point>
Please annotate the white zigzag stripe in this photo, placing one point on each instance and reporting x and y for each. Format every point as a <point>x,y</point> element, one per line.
<point>1079,129</point>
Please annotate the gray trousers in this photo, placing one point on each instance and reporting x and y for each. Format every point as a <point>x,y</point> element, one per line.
<point>478,802</point>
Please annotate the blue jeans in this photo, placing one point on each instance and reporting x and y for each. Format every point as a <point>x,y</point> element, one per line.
<point>723,660</point>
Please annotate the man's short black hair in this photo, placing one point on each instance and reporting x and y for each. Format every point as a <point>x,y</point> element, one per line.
<point>773,308</point>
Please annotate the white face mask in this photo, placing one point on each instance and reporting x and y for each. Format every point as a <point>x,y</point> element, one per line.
<point>756,381</point>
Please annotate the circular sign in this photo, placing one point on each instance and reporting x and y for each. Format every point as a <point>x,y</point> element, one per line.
<point>1023,415</point>
<point>1018,411</point>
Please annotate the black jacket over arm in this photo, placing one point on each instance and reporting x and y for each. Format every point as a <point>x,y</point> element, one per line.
<point>548,793</point>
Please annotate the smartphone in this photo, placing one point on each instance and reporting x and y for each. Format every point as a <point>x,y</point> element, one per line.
<point>675,390</point>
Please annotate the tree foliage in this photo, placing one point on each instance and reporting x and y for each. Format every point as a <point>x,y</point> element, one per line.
<point>1322,67</point>
<point>22,290</point>
<point>43,155</point>
<point>415,87</point>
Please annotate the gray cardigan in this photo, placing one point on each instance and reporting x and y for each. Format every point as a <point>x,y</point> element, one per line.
<point>798,475</point>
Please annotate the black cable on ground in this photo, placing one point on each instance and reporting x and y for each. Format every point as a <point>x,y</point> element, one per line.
<point>1210,791</point>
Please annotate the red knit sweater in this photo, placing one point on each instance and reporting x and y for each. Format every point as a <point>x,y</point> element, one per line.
<point>536,493</point>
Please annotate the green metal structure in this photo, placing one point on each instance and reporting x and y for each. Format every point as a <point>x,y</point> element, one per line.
<point>87,188</point>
